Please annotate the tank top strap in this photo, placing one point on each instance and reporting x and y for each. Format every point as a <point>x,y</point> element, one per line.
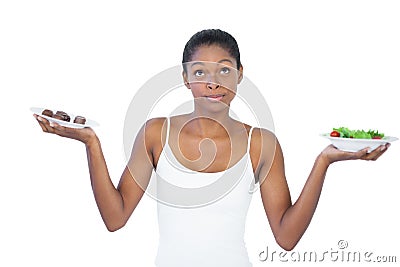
<point>249,139</point>
<point>167,135</point>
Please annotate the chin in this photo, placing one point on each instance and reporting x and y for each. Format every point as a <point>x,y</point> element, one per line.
<point>207,105</point>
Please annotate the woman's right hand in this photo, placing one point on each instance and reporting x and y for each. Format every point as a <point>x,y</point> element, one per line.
<point>85,135</point>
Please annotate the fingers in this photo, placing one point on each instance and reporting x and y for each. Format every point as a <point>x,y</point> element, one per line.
<point>333,154</point>
<point>361,154</point>
<point>44,124</point>
<point>376,153</point>
<point>82,134</point>
<point>40,122</point>
<point>58,129</point>
<point>50,127</point>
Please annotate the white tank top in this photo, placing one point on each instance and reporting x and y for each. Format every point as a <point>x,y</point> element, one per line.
<point>201,216</point>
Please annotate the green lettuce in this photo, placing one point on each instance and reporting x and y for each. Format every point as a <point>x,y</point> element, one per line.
<point>359,134</point>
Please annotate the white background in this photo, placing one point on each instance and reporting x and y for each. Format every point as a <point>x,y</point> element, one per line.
<point>319,64</point>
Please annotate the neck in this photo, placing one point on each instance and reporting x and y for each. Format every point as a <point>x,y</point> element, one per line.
<point>208,124</point>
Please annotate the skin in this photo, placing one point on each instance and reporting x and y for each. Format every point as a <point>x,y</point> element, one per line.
<point>210,120</point>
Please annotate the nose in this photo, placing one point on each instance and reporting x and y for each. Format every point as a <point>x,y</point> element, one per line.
<point>212,86</point>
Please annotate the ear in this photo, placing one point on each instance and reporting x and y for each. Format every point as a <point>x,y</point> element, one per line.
<point>185,79</point>
<point>240,76</point>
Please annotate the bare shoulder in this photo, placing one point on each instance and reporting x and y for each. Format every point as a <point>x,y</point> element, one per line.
<point>262,148</point>
<point>263,134</point>
<point>262,139</point>
<point>154,128</point>
<point>155,123</point>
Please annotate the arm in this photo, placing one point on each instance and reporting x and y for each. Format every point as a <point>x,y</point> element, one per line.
<point>115,204</point>
<point>289,221</point>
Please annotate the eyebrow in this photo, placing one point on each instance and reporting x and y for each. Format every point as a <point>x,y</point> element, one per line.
<point>225,59</point>
<point>201,62</point>
<point>197,63</point>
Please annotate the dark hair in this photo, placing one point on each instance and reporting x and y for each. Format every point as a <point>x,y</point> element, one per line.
<point>211,37</point>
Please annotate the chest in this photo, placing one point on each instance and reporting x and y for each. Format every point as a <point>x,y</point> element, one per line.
<point>208,154</point>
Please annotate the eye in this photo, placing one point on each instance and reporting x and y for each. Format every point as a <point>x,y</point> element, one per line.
<point>225,70</point>
<point>199,73</point>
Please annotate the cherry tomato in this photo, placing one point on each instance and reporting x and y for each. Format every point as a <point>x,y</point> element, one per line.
<point>335,134</point>
<point>377,137</point>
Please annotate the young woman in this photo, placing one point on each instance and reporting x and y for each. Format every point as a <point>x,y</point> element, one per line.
<point>207,143</point>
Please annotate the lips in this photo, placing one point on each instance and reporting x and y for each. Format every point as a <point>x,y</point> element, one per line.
<point>215,98</point>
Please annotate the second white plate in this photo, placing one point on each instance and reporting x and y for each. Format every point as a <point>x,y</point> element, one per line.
<point>354,144</point>
<point>88,123</point>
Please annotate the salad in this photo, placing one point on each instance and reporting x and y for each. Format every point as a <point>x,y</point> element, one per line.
<point>358,134</point>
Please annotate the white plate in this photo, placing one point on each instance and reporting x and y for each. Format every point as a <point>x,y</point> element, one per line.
<point>354,144</point>
<point>88,123</point>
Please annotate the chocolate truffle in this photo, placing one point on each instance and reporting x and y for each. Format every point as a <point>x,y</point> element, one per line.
<point>80,120</point>
<point>61,115</point>
<point>47,112</point>
<point>58,117</point>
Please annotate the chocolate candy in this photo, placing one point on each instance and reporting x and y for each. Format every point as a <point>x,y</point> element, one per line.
<point>61,115</point>
<point>80,120</point>
<point>47,112</point>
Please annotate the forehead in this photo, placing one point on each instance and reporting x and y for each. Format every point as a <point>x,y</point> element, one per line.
<point>212,53</point>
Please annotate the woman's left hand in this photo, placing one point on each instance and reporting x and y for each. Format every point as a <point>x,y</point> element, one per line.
<point>331,154</point>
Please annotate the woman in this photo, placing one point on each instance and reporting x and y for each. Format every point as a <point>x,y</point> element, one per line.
<point>207,143</point>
